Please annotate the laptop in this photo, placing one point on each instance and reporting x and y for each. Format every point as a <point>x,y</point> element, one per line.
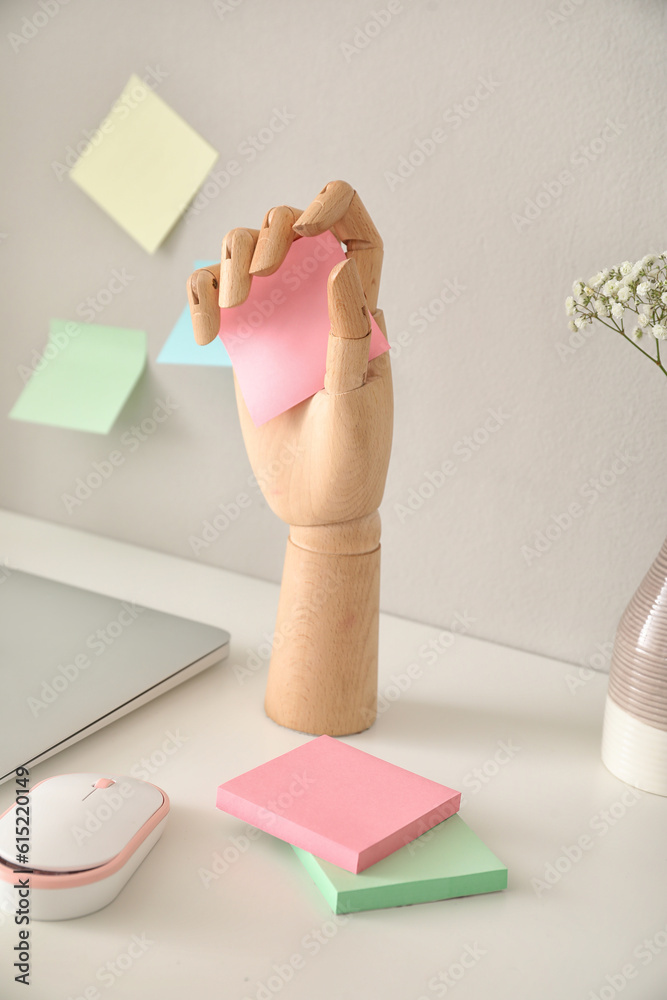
<point>72,661</point>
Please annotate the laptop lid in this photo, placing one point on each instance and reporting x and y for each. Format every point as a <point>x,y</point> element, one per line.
<point>71,661</point>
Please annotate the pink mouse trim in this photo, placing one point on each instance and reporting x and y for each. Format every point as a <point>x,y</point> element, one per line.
<point>70,880</point>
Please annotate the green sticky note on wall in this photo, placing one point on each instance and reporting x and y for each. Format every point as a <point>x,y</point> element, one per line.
<point>447,861</point>
<point>83,378</point>
<point>143,165</point>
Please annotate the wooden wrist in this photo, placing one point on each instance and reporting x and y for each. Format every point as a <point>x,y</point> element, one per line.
<point>344,538</point>
<point>323,671</point>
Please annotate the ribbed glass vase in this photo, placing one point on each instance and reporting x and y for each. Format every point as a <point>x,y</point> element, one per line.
<point>634,740</point>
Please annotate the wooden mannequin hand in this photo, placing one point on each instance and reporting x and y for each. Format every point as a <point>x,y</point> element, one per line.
<point>322,467</point>
<point>325,460</point>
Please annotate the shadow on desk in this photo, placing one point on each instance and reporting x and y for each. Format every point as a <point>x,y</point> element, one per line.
<point>463,726</point>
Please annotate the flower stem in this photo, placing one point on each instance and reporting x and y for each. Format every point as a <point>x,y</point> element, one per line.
<point>623,334</point>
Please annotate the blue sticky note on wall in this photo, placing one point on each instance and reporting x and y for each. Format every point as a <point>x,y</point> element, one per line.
<point>180,347</point>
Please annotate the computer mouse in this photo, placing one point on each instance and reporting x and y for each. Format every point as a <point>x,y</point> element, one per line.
<point>69,846</point>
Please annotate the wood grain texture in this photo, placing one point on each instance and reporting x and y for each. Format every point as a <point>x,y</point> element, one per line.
<point>202,287</point>
<point>237,252</point>
<point>322,467</point>
<point>323,671</point>
<point>325,460</point>
<point>276,236</point>
<point>336,446</point>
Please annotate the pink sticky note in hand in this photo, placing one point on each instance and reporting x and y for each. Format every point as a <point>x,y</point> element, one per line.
<point>338,802</point>
<point>277,340</point>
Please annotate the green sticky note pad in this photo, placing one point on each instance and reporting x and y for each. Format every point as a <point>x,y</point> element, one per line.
<point>143,165</point>
<point>83,378</point>
<point>447,861</point>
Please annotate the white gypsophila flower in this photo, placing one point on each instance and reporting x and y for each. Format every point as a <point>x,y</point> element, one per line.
<point>610,287</point>
<point>637,333</point>
<point>596,280</point>
<point>643,288</point>
<point>625,267</point>
<point>582,321</point>
<point>624,294</point>
<point>573,325</point>
<point>577,288</point>
<point>569,306</point>
<point>601,307</point>
<point>617,310</point>
<point>642,319</point>
<point>663,298</point>
<point>660,331</point>
<point>648,260</point>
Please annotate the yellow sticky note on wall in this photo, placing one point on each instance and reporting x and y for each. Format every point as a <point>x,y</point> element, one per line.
<point>143,165</point>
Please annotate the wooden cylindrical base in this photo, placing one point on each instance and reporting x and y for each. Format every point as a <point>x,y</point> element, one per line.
<point>323,671</point>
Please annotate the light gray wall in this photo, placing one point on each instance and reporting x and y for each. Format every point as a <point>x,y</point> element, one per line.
<point>553,80</point>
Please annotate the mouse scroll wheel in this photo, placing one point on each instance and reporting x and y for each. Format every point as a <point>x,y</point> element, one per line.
<point>104,782</point>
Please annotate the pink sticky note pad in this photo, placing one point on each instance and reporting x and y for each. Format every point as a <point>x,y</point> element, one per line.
<point>341,804</point>
<point>277,340</point>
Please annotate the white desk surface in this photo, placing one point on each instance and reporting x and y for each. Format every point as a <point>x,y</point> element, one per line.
<point>601,926</point>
